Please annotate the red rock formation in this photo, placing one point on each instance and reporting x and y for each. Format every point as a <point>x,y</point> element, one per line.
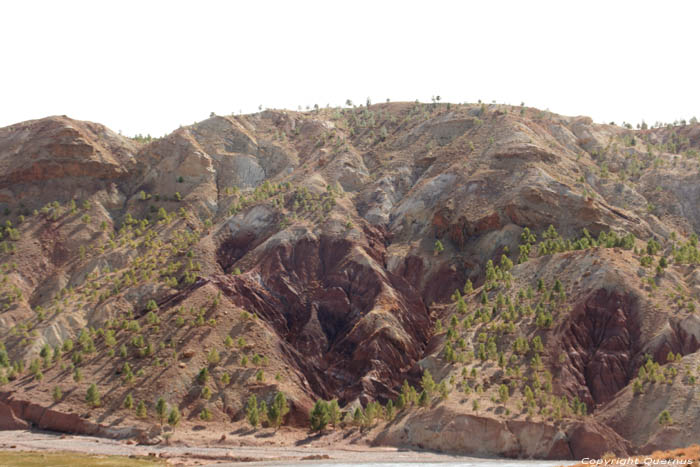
<point>18,414</point>
<point>592,439</point>
<point>600,339</point>
<point>8,419</point>
<point>351,327</point>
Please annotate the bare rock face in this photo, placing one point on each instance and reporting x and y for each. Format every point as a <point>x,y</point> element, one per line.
<point>594,440</point>
<point>443,430</point>
<point>679,336</point>
<point>58,158</point>
<point>341,314</point>
<point>49,419</point>
<point>245,160</point>
<point>635,416</point>
<point>605,344</point>
<point>21,415</point>
<point>443,130</point>
<point>602,340</point>
<point>8,419</point>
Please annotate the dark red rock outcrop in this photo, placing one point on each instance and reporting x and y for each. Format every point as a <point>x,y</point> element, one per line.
<point>461,229</point>
<point>349,325</point>
<point>600,339</point>
<point>442,283</point>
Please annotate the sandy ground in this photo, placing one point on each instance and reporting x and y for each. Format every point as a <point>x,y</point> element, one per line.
<point>181,454</point>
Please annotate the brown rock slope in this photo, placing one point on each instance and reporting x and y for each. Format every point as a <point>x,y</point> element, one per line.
<point>318,254</point>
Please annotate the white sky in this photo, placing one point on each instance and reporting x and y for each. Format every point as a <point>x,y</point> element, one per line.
<point>149,66</point>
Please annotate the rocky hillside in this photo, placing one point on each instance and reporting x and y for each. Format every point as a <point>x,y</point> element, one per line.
<point>534,275</point>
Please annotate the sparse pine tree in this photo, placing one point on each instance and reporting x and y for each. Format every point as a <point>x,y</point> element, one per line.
<point>277,410</point>
<point>501,360</point>
<point>205,415</point>
<point>390,410</point>
<point>334,413</point>
<point>665,418</point>
<point>161,409</point>
<point>252,413</point>
<point>637,387</point>
<point>438,248</point>
<point>503,393</point>
<point>92,396</point>
<point>443,389</point>
<point>357,416</point>
<point>401,402</point>
<point>423,399</point>
<point>438,326</point>
<point>57,394</point>
<point>262,411</point>
<point>558,287</point>
<point>642,374</point>
<point>141,411</point>
<point>174,417</point>
<point>213,357</point>
<point>468,287</point>
<point>319,416</point>
<point>427,382</point>
<point>537,345</point>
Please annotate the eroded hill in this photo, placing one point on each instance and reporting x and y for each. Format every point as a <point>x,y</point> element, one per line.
<point>534,264</point>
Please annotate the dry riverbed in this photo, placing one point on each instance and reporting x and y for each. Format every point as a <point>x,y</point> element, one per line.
<point>37,444</point>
